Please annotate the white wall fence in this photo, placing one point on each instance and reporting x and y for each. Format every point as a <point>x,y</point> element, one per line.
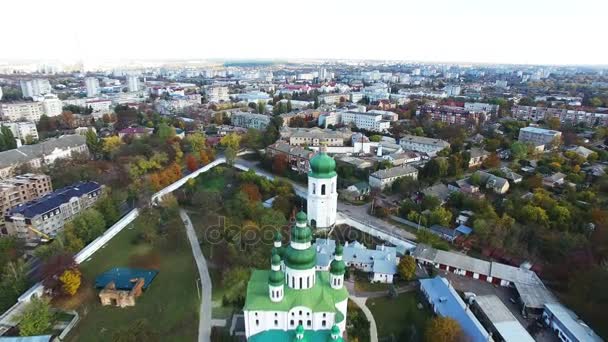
<point>366,228</point>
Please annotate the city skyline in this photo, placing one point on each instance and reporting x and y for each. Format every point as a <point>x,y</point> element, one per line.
<point>539,33</point>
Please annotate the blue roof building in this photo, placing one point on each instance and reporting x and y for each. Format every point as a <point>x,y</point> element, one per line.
<point>445,302</point>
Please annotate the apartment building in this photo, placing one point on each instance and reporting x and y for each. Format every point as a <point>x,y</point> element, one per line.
<point>46,216</point>
<point>92,85</point>
<point>250,120</point>
<point>382,179</point>
<point>48,105</point>
<point>538,136</point>
<point>481,107</point>
<point>47,152</point>
<point>333,98</point>
<point>315,136</point>
<point>429,146</point>
<point>35,87</point>
<point>133,83</point>
<point>22,130</point>
<point>452,115</point>
<point>297,157</point>
<point>375,122</point>
<point>19,190</point>
<point>218,94</point>
<point>565,115</point>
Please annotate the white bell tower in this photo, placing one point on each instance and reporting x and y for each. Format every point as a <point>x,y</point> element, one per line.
<point>322,200</point>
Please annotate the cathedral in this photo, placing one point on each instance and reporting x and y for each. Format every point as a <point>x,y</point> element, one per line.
<point>292,301</point>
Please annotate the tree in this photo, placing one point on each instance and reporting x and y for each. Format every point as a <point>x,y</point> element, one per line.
<point>67,119</point>
<point>36,318</point>
<point>7,139</point>
<point>289,107</point>
<point>234,282</point>
<point>14,283</point>
<point>440,216</point>
<point>70,281</point>
<point>519,150</point>
<point>375,138</point>
<point>191,163</point>
<point>53,268</point>
<point>252,191</point>
<point>94,144</point>
<point>111,145</point>
<point>492,161</point>
<point>443,329</point>
<point>261,107</point>
<point>407,267</point>
<point>280,164</point>
<point>164,131</point>
<point>196,141</point>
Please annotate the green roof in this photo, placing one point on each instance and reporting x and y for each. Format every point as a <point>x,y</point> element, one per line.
<point>319,298</point>
<point>322,166</point>
<point>337,267</point>
<point>290,335</point>
<point>300,259</point>
<point>301,217</point>
<point>276,278</point>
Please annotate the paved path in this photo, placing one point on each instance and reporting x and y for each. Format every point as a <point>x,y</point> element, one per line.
<point>373,330</point>
<point>204,324</point>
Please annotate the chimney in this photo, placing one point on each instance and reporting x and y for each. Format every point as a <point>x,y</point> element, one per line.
<point>18,142</point>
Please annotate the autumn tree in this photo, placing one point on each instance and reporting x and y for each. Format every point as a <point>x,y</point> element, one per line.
<point>67,119</point>
<point>110,146</point>
<point>443,329</point>
<point>407,267</point>
<point>252,191</point>
<point>53,268</point>
<point>191,163</point>
<point>70,281</point>
<point>36,318</point>
<point>492,161</point>
<point>196,141</point>
<point>280,164</point>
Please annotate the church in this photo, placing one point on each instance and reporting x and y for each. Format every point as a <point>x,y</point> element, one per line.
<point>292,301</point>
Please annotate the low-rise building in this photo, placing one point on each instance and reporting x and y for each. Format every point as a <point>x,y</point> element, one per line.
<point>554,180</point>
<point>46,152</point>
<point>333,98</point>
<point>498,184</point>
<point>446,302</point>
<point>429,146</point>
<point>498,320</point>
<point>21,189</point>
<point>538,136</point>
<point>135,132</point>
<point>316,136</point>
<point>566,325</point>
<point>46,216</point>
<point>250,120</point>
<point>385,178</point>
<point>375,122</point>
<point>297,157</point>
<point>478,155</point>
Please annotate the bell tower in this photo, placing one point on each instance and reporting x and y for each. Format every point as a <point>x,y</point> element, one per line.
<point>322,200</point>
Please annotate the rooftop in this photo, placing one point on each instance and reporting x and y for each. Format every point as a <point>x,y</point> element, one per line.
<point>577,328</point>
<point>27,153</point>
<point>503,320</point>
<point>123,278</point>
<point>394,172</point>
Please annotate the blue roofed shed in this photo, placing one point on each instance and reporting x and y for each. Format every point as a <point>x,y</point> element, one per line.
<point>125,278</point>
<point>463,230</point>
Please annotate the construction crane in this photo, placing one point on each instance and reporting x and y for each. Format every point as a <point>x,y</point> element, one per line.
<point>39,233</point>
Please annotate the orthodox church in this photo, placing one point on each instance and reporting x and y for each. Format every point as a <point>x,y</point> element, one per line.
<point>293,301</point>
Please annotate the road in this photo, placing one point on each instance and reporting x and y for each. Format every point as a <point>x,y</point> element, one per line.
<point>204,323</point>
<point>358,213</point>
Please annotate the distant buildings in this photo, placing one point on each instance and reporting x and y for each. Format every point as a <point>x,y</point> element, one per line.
<point>429,146</point>
<point>452,115</point>
<point>135,132</point>
<point>217,94</point>
<point>19,190</point>
<point>250,120</point>
<point>538,136</point>
<point>98,106</point>
<point>23,130</point>
<point>42,153</point>
<point>316,136</point>
<point>375,122</point>
<point>385,178</point>
<point>35,87</point>
<point>46,216</point>
<point>133,83</point>
<point>92,84</point>
<point>253,96</point>
<point>297,157</point>
<point>481,107</point>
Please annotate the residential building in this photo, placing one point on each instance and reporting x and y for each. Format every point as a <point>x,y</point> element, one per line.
<point>253,96</point>
<point>446,302</point>
<point>429,146</point>
<point>133,83</point>
<point>566,325</point>
<point>597,117</point>
<point>297,157</point>
<point>385,178</point>
<point>554,180</point>
<point>538,136</point>
<point>374,122</point>
<point>381,263</point>
<point>478,155</point>
<point>135,132</point>
<point>23,130</point>
<point>452,90</point>
<point>293,300</point>
<point>19,190</point>
<point>92,85</point>
<point>30,111</point>
<point>44,217</point>
<point>35,87</point>
<point>491,109</point>
<point>402,158</point>
<point>51,105</point>
<point>316,136</point>
<point>46,152</point>
<point>333,98</point>
<point>217,94</point>
<point>452,115</point>
<point>177,103</point>
<point>1,94</point>
<point>250,120</point>
<point>499,320</point>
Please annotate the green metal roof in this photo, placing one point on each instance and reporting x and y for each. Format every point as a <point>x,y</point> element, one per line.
<point>276,278</point>
<point>319,298</point>
<point>300,259</point>
<point>337,267</point>
<point>322,166</point>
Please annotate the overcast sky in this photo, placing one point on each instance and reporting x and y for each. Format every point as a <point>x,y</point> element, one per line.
<point>490,31</point>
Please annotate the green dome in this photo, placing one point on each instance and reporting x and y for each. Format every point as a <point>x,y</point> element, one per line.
<point>278,251</point>
<point>276,278</point>
<point>335,330</point>
<point>278,237</point>
<point>276,259</point>
<point>339,249</point>
<point>301,235</point>
<point>300,259</point>
<point>301,217</point>
<point>337,267</point>
<point>322,166</point>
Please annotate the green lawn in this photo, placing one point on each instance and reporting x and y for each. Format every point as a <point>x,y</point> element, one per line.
<point>399,317</point>
<point>170,305</point>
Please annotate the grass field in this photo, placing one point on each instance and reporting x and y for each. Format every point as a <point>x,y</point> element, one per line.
<point>399,317</point>
<point>170,304</point>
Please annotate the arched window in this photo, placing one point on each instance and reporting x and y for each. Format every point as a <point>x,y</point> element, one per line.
<point>323,189</point>
<point>314,188</point>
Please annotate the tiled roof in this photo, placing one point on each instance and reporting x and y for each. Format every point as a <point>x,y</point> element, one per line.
<point>27,153</point>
